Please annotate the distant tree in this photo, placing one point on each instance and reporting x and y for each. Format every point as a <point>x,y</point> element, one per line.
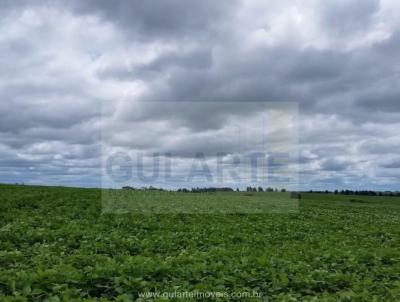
<point>260,189</point>
<point>270,189</point>
<point>283,190</point>
<point>209,189</point>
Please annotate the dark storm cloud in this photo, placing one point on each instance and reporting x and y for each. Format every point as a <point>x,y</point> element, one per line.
<point>391,164</point>
<point>335,165</point>
<point>381,146</point>
<point>200,58</point>
<point>273,74</point>
<point>149,20</point>
<point>390,47</point>
<point>382,101</point>
<point>346,17</point>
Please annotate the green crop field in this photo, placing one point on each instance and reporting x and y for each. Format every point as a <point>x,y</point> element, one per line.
<point>57,244</point>
<point>163,202</point>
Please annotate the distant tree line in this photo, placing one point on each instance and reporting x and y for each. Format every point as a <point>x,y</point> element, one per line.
<point>151,188</point>
<point>228,189</point>
<point>207,189</point>
<point>184,190</point>
<point>260,189</point>
<point>359,192</point>
<point>268,189</point>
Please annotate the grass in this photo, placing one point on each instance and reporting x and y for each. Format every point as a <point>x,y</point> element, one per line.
<point>56,244</point>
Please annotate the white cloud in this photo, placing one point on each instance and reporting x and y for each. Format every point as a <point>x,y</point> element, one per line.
<point>68,70</point>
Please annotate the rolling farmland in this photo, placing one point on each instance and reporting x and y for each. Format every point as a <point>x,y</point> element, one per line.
<point>57,245</point>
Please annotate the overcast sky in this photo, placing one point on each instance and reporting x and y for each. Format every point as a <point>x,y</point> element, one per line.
<point>78,75</point>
